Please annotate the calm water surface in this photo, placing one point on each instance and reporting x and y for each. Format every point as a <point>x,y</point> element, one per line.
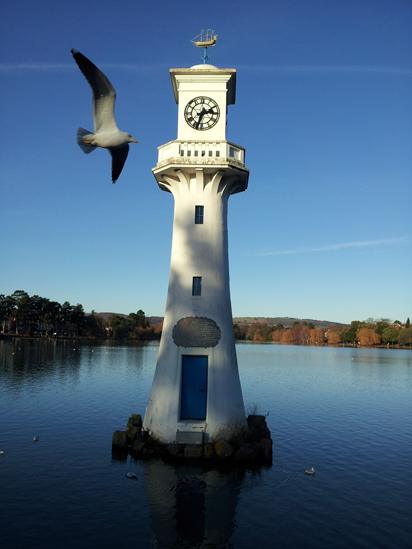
<point>347,412</point>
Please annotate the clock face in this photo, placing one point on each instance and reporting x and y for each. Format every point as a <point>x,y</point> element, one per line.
<point>202,113</point>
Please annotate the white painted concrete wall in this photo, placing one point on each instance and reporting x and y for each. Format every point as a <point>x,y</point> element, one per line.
<point>198,250</point>
<point>211,83</point>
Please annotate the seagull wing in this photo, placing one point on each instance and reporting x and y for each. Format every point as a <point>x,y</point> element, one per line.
<point>104,94</point>
<point>119,155</point>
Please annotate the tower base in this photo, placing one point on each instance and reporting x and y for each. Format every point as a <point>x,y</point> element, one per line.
<point>251,446</point>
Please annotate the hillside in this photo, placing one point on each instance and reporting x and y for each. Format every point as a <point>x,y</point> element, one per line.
<point>271,320</point>
<point>286,321</point>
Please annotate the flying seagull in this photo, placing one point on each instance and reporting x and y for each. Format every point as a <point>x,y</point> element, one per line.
<point>106,133</point>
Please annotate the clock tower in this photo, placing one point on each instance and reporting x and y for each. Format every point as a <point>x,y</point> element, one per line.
<point>196,394</point>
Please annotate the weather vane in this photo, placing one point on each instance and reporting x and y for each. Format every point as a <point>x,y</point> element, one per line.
<point>205,39</point>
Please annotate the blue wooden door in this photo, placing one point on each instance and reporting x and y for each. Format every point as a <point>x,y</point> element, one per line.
<point>194,387</point>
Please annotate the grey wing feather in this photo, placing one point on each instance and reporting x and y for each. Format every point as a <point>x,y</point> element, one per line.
<point>103,114</point>
<point>104,94</point>
<point>119,155</point>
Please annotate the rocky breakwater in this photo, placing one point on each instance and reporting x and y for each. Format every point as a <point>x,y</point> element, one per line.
<point>251,445</point>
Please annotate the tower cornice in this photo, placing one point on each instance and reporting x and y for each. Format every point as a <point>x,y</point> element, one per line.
<point>210,73</point>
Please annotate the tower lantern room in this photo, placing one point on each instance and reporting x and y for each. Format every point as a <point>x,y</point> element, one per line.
<point>196,394</point>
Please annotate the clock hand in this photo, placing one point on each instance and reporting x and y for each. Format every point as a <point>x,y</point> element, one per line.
<point>211,110</point>
<point>201,115</point>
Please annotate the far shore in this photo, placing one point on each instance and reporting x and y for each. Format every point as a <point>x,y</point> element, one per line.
<point>134,341</point>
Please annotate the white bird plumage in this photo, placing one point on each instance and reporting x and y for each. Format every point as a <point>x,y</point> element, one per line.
<point>106,133</point>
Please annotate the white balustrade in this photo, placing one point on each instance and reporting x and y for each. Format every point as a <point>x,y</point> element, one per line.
<point>201,152</point>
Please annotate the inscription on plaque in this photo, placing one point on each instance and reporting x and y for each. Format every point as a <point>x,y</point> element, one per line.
<point>196,331</point>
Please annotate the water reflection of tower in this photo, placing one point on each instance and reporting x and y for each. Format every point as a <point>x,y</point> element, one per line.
<point>191,507</point>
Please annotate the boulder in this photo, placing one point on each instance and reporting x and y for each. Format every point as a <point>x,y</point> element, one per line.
<point>264,447</point>
<point>135,420</point>
<point>119,439</point>
<point>247,453</point>
<point>134,427</point>
<point>208,451</point>
<point>223,449</point>
<point>137,448</point>
<point>257,427</point>
<point>132,432</point>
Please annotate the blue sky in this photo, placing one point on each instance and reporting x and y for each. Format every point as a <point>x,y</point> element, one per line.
<point>324,109</point>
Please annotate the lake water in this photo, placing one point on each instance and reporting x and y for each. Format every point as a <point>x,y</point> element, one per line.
<point>347,412</point>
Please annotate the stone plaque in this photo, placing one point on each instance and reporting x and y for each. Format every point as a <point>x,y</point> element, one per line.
<point>196,331</point>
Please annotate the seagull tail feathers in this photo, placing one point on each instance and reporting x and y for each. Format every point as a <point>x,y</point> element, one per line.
<point>85,147</point>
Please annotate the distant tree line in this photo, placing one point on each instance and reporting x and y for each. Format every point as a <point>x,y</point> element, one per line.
<point>133,326</point>
<point>368,333</point>
<point>36,316</point>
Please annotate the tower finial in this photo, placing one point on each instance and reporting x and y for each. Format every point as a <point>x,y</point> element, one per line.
<point>205,39</point>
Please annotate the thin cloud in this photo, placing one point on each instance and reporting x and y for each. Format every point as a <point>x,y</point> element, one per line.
<point>16,67</point>
<point>403,71</point>
<point>340,246</point>
<point>46,67</point>
<point>55,67</point>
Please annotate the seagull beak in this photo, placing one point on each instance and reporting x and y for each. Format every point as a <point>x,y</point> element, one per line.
<point>133,140</point>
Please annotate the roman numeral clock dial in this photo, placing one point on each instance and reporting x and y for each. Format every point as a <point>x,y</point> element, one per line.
<point>202,113</point>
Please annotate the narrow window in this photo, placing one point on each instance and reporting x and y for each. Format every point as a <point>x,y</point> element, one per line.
<point>196,153</point>
<point>210,153</point>
<point>197,285</point>
<point>182,152</point>
<point>217,153</point>
<point>203,153</point>
<point>189,153</point>
<point>199,210</point>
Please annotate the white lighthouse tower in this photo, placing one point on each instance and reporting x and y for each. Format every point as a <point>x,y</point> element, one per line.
<point>196,393</point>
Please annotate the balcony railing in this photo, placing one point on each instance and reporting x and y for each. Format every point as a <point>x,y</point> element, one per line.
<point>197,152</point>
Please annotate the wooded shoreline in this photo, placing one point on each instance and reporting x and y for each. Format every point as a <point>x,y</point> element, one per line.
<point>36,317</point>
<point>131,341</point>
